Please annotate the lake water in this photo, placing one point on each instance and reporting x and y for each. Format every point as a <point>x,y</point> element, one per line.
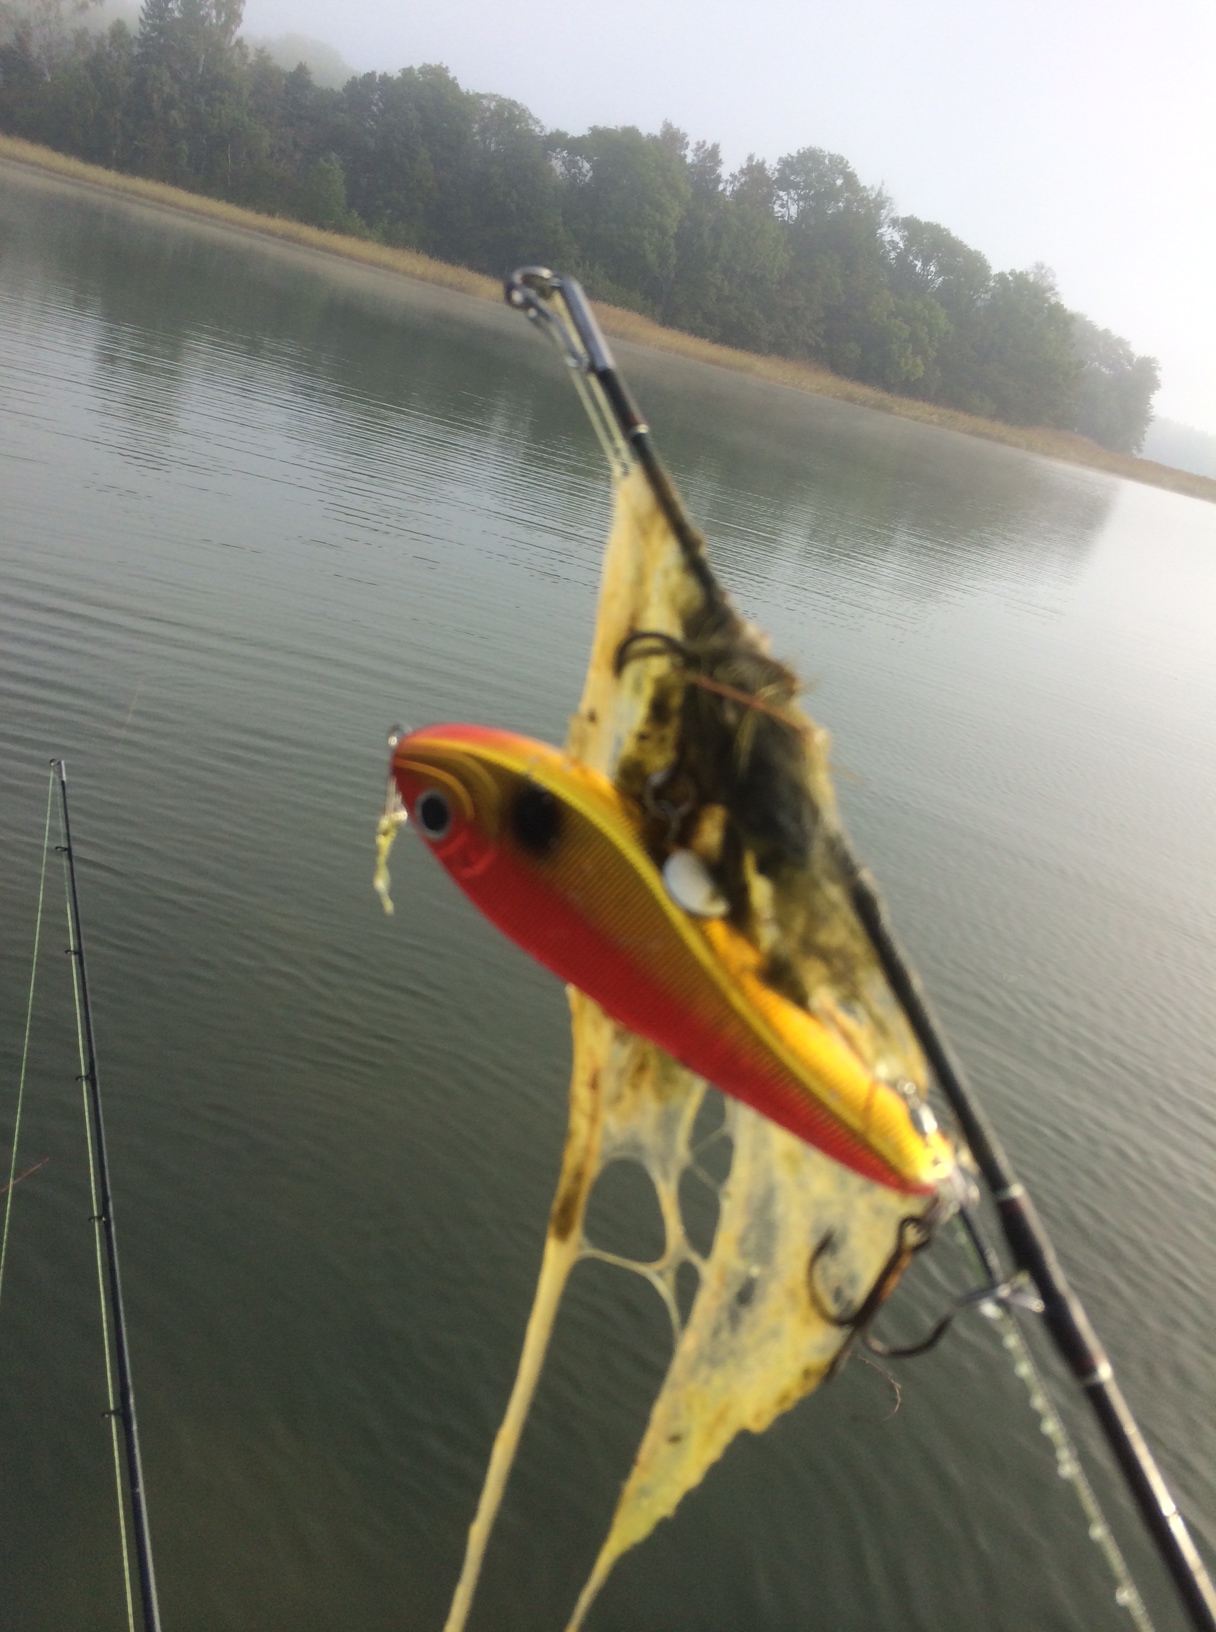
<point>257,506</point>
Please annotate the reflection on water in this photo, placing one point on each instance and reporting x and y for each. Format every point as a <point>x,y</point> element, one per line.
<point>940,513</point>
<point>258,505</point>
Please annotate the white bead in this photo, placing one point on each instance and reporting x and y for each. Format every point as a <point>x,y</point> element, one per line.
<point>690,885</point>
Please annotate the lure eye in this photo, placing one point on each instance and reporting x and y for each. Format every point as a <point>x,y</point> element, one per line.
<point>433,814</point>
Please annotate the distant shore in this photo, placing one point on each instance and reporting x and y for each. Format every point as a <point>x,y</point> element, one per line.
<point>1051,444</point>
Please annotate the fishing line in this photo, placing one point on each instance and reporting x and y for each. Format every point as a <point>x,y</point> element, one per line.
<point>1051,1425</point>
<point>1070,1468</point>
<point>25,1047</point>
<point>96,1221</point>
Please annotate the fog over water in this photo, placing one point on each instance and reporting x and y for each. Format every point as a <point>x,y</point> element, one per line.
<point>1079,133</point>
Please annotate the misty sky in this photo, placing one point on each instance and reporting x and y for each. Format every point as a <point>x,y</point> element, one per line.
<point>1081,133</point>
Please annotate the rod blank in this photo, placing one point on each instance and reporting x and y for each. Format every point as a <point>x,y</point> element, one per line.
<point>125,1405</point>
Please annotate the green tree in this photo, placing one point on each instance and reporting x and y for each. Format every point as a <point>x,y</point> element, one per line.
<point>731,255</point>
<point>76,100</point>
<point>515,212</point>
<point>282,137</point>
<point>838,308</point>
<point>623,198</point>
<point>322,200</point>
<point>406,145</point>
<point>926,259</point>
<point>191,91</point>
<point>844,308</point>
<point>23,88</point>
<point>813,187</point>
<point>45,27</point>
<point>1114,389</point>
<point>1024,369</point>
<point>896,340</point>
<point>106,78</point>
<point>944,279</point>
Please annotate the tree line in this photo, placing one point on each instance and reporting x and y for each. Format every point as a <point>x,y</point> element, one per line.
<point>797,258</point>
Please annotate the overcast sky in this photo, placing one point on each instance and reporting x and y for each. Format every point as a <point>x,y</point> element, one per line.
<point>1081,133</point>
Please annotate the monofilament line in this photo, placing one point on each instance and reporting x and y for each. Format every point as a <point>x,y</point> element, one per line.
<point>25,1046</point>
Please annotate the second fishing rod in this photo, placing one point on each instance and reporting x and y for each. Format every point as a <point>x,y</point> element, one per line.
<point>124,1406</point>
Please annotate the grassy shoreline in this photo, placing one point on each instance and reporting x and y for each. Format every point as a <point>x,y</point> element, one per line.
<point>1065,446</point>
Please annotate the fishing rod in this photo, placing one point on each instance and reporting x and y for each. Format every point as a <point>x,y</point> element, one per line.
<point>1033,1251</point>
<point>558,306</point>
<point>124,1408</point>
<point>618,422</point>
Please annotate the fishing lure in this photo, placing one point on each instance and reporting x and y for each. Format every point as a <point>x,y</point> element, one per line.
<point>557,857</point>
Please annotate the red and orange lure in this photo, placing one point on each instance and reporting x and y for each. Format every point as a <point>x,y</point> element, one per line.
<point>553,854</point>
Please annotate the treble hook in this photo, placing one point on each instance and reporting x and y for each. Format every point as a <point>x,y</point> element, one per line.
<point>914,1235</point>
<point>1018,1291</point>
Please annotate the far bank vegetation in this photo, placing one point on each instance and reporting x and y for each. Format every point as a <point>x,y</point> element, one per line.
<point>795,259</point>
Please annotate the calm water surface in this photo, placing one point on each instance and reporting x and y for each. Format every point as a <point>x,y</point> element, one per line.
<point>258,506</point>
